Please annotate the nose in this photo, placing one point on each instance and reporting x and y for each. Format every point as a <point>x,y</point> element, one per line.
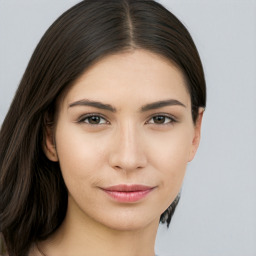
<point>127,152</point>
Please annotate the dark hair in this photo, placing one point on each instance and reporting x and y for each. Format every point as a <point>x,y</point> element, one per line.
<point>33,195</point>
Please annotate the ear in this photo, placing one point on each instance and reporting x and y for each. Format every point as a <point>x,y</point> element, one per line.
<point>49,146</point>
<point>197,134</point>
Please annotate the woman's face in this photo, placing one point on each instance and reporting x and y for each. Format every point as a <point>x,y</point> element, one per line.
<point>124,136</point>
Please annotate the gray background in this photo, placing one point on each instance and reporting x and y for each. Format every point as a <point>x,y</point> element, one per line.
<point>217,212</point>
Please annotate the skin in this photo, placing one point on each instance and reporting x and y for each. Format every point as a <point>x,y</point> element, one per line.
<point>127,146</point>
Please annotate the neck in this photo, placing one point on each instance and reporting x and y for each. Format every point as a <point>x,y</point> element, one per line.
<point>85,236</point>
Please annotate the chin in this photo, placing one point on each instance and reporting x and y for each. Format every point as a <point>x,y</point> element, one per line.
<point>127,221</point>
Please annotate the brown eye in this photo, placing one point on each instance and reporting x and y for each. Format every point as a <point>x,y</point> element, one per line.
<point>93,119</point>
<point>161,119</point>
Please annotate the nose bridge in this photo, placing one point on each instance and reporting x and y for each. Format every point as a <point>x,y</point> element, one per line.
<point>128,153</point>
<point>130,138</point>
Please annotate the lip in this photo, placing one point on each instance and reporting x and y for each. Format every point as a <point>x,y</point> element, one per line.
<point>128,193</point>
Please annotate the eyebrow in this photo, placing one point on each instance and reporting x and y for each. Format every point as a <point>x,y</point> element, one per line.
<point>147,107</point>
<point>160,104</point>
<point>95,104</point>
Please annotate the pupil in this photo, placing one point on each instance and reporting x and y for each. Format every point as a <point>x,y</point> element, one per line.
<point>159,119</point>
<point>94,120</point>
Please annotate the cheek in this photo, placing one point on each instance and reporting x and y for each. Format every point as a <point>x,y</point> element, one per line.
<point>173,148</point>
<point>79,157</point>
<point>169,155</point>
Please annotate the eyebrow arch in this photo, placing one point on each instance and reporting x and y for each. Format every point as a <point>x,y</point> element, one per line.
<point>160,104</point>
<point>96,104</point>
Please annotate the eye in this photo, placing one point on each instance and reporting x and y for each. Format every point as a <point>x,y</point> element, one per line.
<point>93,120</point>
<point>161,119</point>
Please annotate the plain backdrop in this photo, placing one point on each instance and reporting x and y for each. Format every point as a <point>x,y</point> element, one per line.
<point>217,212</point>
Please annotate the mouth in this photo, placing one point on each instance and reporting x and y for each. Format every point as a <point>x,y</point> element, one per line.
<point>128,193</point>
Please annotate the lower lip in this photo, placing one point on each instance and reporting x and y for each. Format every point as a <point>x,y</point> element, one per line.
<point>128,196</point>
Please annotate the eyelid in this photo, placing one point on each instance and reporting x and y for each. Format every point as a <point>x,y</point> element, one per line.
<point>83,117</point>
<point>171,117</point>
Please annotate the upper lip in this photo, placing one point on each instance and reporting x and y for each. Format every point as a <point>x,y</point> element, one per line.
<point>128,188</point>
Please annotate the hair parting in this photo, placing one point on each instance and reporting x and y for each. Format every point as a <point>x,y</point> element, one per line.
<point>33,195</point>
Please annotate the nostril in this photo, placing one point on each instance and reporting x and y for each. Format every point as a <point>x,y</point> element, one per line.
<point>127,168</point>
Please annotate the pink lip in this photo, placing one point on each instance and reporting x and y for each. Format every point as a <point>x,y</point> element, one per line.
<point>128,193</point>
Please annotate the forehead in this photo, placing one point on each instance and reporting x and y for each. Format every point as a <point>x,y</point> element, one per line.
<point>139,75</point>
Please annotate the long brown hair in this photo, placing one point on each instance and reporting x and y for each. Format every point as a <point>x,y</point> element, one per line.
<point>33,195</point>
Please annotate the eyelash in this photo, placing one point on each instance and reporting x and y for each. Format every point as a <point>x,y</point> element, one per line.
<point>83,118</point>
<point>165,116</point>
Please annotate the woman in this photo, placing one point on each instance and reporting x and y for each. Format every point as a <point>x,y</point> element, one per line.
<point>95,145</point>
